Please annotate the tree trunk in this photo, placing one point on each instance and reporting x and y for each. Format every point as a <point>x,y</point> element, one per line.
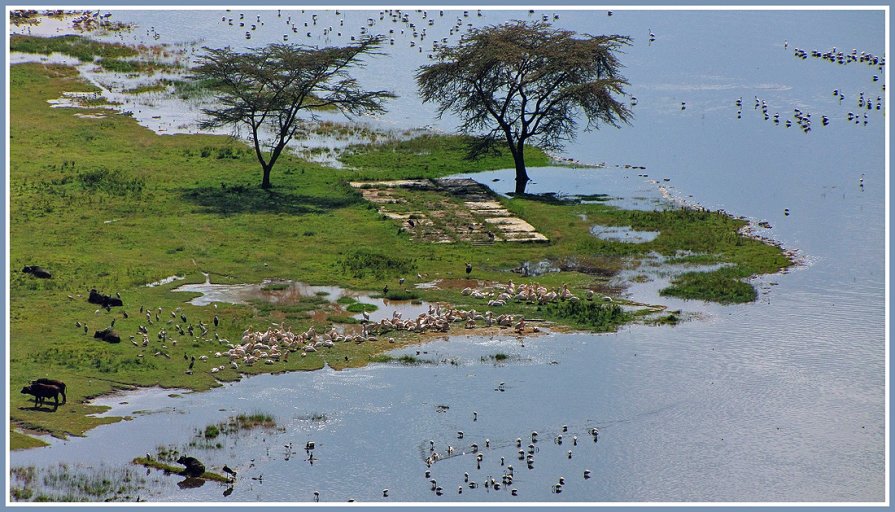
<point>265,181</point>
<point>521,176</point>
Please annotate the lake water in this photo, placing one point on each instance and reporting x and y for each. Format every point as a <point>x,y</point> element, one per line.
<point>780,400</point>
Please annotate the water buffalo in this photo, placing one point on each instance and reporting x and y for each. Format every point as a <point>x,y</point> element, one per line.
<point>194,468</point>
<point>107,335</point>
<point>42,392</point>
<point>103,300</point>
<point>58,383</point>
<point>36,271</point>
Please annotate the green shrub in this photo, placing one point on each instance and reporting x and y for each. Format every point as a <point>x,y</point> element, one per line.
<point>212,431</point>
<point>599,317</point>
<point>361,262</point>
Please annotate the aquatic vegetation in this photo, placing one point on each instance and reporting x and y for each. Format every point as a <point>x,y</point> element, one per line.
<point>496,358</point>
<point>721,286</point>
<point>135,66</point>
<point>405,359</point>
<point>80,47</point>
<point>211,432</point>
<point>159,86</point>
<point>249,421</point>
<point>599,317</point>
<point>274,286</point>
<point>64,482</point>
<point>359,307</point>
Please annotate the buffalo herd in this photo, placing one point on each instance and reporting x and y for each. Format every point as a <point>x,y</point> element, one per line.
<point>42,389</point>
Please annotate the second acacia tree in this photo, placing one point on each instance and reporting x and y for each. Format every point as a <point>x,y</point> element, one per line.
<point>524,82</point>
<point>265,89</point>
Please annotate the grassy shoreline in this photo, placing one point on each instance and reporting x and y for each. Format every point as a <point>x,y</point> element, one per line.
<point>109,204</point>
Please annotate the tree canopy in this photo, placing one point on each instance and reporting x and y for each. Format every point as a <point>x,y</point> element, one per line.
<point>526,82</point>
<point>265,89</point>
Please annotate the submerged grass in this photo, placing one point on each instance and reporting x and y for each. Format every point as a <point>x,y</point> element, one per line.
<point>108,204</point>
<point>82,48</point>
<point>75,483</point>
<point>405,359</point>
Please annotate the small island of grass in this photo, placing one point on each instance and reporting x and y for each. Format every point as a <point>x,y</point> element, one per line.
<point>186,204</point>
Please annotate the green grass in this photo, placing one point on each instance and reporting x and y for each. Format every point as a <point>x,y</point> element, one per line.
<point>79,47</point>
<point>598,317</point>
<point>405,359</point>
<point>106,203</point>
<point>359,307</point>
<point>363,262</point>
<point>211,432</point>
<point>170,468</point>
<point>134,66</point>
<point>64,482</point>
<point>428,157</point>
<point>188,89</point>
<point>720,286</point>
<point>159,86</point>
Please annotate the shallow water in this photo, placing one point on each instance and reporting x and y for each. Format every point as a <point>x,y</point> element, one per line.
<point>780,400</point>
<point>288,292</point>
<point>623,234</point>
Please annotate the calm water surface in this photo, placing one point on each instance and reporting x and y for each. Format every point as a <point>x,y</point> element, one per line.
<point>780,400</point>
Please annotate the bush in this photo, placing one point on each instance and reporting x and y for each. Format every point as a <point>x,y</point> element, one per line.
<point>599,317</point>
<point>112,182</point>
<point>362,261</point>
<point>212,431</point>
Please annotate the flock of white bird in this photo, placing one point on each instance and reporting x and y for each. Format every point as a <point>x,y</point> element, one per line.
<point>532,293</point>
<point>277,342</point>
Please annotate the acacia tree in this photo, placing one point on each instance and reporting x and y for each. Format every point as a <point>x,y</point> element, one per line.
<point>526,82</point>
<point>264,89</point>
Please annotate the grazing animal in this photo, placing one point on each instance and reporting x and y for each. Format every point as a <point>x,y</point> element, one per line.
<point>194,468</point>
<point>468,268</point>
<point>36,271</point>
<point>42,392</point>
<point>58,383</point>
<point>103,300</point>
<point>107,335</point>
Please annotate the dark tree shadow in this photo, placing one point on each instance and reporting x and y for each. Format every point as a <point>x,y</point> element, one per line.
<point>236,199</point>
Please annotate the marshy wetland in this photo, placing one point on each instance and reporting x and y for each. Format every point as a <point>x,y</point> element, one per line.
<point>725,342</point>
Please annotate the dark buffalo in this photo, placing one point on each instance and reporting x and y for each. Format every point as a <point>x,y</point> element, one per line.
<point>36,271</point>
<point>42,392</point>
<point>107,335</point>
<point>194,468</point>
<point>58,383</point>
<point>103,300</point>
